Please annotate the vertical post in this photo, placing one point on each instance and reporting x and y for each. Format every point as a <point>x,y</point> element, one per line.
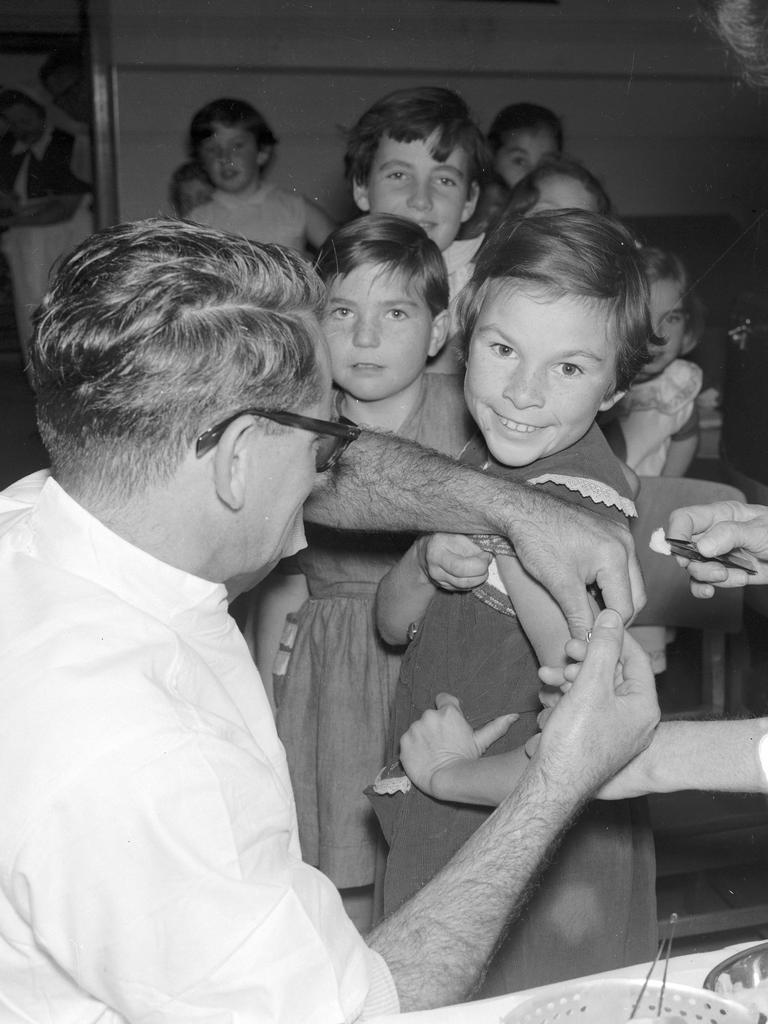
<point>105,159</point>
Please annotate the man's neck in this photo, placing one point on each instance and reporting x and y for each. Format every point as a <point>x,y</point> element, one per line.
<point>156,521</point>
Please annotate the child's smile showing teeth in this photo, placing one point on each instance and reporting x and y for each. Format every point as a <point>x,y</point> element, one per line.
<point>516,426</point>
<point>542,356</point>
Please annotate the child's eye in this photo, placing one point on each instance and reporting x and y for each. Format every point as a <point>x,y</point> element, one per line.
<point>501,349</point>
<point>447,182</point>
<point>397,314</point>
<point>571,370</point>
<point>396,175</point>
<point>338,313</point>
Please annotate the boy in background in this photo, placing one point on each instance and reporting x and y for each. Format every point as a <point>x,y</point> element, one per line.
<point>419,154</point>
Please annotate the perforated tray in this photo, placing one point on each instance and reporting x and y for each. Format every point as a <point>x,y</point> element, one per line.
<point>612,1001</point>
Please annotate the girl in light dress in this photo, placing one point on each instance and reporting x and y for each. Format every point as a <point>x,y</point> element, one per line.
<point>655,427</point>
<point>233,143</point>
<point>658,426</point>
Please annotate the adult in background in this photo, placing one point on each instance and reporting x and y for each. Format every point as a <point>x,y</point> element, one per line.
<point>65,76</point>
<point>44,207</point>
<point>150,866</point>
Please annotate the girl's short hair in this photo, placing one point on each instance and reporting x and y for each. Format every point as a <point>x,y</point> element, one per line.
<point>233,114</point>
<point>519,117</point>
<point>408,115</point>
<point>525,193</point>
<point>567,253</point>
<point>663,265</point>
<point>395,245</point>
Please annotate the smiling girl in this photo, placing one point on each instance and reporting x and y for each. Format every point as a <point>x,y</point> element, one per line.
<point>555,324</point>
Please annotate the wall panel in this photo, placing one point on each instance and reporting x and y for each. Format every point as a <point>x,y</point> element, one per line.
<point>660,144</point>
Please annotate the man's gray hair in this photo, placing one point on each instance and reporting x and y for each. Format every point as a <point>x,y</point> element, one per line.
<point>151,332</point>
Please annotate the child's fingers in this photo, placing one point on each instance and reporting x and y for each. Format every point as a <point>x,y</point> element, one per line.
<point>457,566</point>
<point>551,675</point>
<point>558,675</point>
<point>550,695</point>
<point>459,543</point>
<point>486,734</point>
<point>444,700</point>
<point>448,582</point>
<point>576,649</point>
<point>492,731</point>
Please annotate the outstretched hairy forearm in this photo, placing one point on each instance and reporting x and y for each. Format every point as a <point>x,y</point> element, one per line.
<point>385,482</point>
<point>438,944</point>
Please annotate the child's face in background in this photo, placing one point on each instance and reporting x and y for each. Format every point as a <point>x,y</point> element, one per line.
<point>539,370</point>
<point>558,192</point>
<point>669,322</point>
<point>407,181</point>
<point>379,333</point>
<point>233,160</point>
<point>521,151</point>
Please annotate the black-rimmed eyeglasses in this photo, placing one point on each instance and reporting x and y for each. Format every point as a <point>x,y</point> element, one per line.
<point>335,436</point>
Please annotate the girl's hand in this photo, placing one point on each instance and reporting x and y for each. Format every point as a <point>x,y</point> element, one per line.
<point>442,741</point>
<point>454,562</point>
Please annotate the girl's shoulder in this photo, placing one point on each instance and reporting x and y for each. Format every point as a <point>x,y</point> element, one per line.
<point>589,474</point>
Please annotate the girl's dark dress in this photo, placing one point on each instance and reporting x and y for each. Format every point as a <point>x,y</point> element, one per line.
<point>595,908</point>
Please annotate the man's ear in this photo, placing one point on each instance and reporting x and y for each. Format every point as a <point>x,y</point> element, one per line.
<point>439,333</point>
<point>609,402</point>
<point>360,195</point>
<point>231,463</point>
<point>472,196</point>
